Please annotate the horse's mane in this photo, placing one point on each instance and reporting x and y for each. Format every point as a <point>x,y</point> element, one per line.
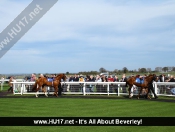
<point>60,74</point>
<point>150,75</point>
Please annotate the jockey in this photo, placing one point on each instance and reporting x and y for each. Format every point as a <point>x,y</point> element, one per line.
<point>138,79</point>
<point>141,79</point>
<point>49,79</point>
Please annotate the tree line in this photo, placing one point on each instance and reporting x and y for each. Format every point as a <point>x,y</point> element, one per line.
<point>124,70</point>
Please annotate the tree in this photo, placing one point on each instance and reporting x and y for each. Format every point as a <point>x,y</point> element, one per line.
<point>115,71</point>
<point>165,69</point>
<point>101,70</point>
<point>67,72</point>
<point>142,70</point>
<point>173,69</point>
<point>125,70</point>
<point>148,69</point>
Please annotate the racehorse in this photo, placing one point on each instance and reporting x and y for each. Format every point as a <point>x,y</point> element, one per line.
<point>147,81</point>
<point>42,82</point>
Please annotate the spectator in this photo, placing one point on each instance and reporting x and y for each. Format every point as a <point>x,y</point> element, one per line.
<point>124,79</point>
<point>116,79</point>
<point>2,78</point>
<point>162,87</point>
<point>81,79</point>
<point>11,84</point>
<point>151,89</point>
<point>104,87</point>
<point>104,78</point>
<point>71,79</point>
<point>75,78</point>
<point>33,77</point>
<point>69,87</point>
<point>171,79</point>
<point>74,88</point>
<point>98,79</point>
<point>116,85</point>
<point>90,79</point>
<point>41,75</point>
<point>162,78</point>
<point>2,82</point>
<point>111,79</point>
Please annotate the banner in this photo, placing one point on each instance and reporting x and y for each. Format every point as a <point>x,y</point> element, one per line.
<point>23,22</point>
<point>87,121</point>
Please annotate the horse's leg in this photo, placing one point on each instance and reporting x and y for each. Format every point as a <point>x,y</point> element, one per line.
<point>129,90</point>
<point>43,89</point>
<point>36,94</point>
<point>147,94</point>
<point>37,91</point>
<point>139,93</point>
<point>56,91</point>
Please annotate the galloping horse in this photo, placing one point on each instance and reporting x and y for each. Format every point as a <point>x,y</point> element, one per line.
<point>42,82</point>
<point>147,81</point>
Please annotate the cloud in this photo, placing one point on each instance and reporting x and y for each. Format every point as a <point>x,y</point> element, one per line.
<point>90,34</point>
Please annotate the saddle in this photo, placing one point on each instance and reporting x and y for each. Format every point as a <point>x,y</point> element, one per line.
<point>50,80</point>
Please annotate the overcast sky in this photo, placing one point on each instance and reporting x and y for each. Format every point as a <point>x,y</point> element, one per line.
<point>85,35</point>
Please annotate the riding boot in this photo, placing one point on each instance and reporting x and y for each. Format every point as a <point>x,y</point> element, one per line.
<point>155,96</point>
<point>10,89</point>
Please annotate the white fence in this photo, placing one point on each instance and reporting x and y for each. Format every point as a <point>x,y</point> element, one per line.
<point>2,82</point>
<point>87,88</point>
<point>7,80</point>
<point>165,88</point>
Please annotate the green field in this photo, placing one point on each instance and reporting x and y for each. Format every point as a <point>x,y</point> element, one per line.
<point>73,107</point>
<point>85,107</point>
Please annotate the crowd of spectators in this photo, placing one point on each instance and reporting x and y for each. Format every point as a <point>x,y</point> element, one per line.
<point>100,78</point>
<point>103,78</point>
<point>97,78</point>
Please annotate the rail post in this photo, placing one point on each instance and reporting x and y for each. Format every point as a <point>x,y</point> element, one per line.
<point>108,89</point>
<point>84,89</point>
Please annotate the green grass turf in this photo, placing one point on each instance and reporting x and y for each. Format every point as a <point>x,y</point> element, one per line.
<point>62,107</point>
<point>84,107</point>
<point>66,107</point>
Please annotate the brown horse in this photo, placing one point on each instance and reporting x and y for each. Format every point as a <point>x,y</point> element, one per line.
<point>42,82</point>
<point>147,82</point>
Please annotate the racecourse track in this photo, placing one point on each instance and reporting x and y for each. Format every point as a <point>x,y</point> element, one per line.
<point>4,94</point>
